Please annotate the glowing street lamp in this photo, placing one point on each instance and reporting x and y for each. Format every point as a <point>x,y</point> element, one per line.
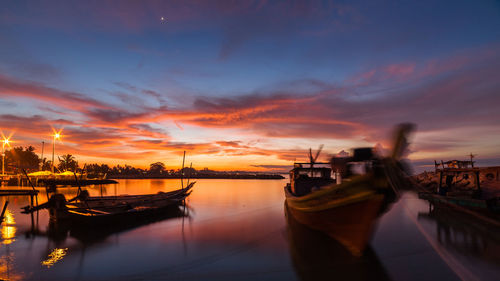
<point>57,136</point>
<point>5,141</point>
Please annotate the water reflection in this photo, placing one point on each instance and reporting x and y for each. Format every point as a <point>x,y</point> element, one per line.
<point>7,271</point>
<point>60,231</point>
<point>234,229</point>
<point>56,255</point>
<point>316,256</point>
<point>8,228</point>
<point>7,259</point>
<point>465,235</point>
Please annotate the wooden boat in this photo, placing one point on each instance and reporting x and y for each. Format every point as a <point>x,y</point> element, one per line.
<point>348,210</point>
<point>459,187</point>
<point>114,209</point>
<point>316,256</point>
<point>486,210</point>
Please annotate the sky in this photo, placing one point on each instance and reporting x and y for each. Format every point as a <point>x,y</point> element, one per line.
<point>249,85</point>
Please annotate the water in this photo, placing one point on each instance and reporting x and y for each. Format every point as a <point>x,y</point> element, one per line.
<point>237,229</point>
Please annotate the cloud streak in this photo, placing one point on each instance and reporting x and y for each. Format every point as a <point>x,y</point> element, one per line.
<point>216,76</point>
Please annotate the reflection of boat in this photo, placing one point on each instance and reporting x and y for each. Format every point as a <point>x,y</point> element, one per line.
<point>59,230</point>
<point>464,234</point>
<point>316,256</point>
<point>95,237</point>
<point>114,209</point>
<point>487,210</point>
<point>347,211</point>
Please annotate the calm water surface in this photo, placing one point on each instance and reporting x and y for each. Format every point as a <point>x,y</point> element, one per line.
<point>238,230</point>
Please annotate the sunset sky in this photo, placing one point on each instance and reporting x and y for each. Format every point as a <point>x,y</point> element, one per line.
<point>249,85</point>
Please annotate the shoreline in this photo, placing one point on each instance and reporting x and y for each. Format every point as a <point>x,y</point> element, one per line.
<point>258,177</point>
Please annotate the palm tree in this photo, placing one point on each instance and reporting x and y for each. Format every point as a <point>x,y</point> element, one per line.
<point>67,162</point>
<point>45,164</point>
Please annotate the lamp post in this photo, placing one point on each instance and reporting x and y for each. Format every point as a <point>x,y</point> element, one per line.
<point>4,142</point>
<point>56,137</point>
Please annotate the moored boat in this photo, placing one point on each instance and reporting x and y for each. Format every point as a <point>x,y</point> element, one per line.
<point>347,207</point>
<point>316,256</point>
<point>114,209</point>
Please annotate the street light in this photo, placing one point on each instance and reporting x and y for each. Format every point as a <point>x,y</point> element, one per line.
<point>5,141</point>
<point>57,136</point>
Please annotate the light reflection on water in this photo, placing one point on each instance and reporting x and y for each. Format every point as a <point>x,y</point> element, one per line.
<point>229,229</point>
<point>56,255</point>
<point>8,228</point>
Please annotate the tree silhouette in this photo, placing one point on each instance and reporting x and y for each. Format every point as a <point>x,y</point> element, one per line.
<point>46,164</point>
<point>18,158</point>
<point>157,168</point>
<point>67,162</point>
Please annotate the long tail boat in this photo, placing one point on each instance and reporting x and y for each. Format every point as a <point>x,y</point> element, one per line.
<point>347,209</point>
<point>114,209</point>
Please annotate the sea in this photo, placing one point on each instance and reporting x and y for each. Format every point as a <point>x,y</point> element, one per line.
<point>239,230</point>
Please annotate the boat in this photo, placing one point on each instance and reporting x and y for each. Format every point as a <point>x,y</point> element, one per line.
<point>458,186</point>
<point>316,256</point>
<point>103,210</point>
<point>483,208</point>
<point>347,207</point>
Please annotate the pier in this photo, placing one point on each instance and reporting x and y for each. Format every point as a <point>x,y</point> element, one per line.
<point>44,181</point>
<point>32,193</point>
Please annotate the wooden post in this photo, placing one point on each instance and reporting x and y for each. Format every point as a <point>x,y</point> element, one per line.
<point>477,181</point>
<point>182,170</point>
<point>4,209</point>
<point>78,183</point>
<point>28,178</point>
<point>190,169</point>
<point>440,181</point>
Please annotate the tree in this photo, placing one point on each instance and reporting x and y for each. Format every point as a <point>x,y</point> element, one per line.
<point>18,158</point>
<point>46,164</point>
<point>157,168</point>
<point>187,171</point>
<point>67,162</point>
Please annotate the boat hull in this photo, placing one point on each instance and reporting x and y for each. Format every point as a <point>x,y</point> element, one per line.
<point>114,218</point>
<point>116,209</point>
<point>316,256</point>
<point>349,218</point>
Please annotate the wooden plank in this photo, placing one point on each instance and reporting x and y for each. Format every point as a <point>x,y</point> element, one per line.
<point>89,211</point>
<point>7,192</point>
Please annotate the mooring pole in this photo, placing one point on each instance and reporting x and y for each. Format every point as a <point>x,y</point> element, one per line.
<point>182,170</point>
<point>28,178</point>
<point>4,209</point>
<point>190,169</point>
